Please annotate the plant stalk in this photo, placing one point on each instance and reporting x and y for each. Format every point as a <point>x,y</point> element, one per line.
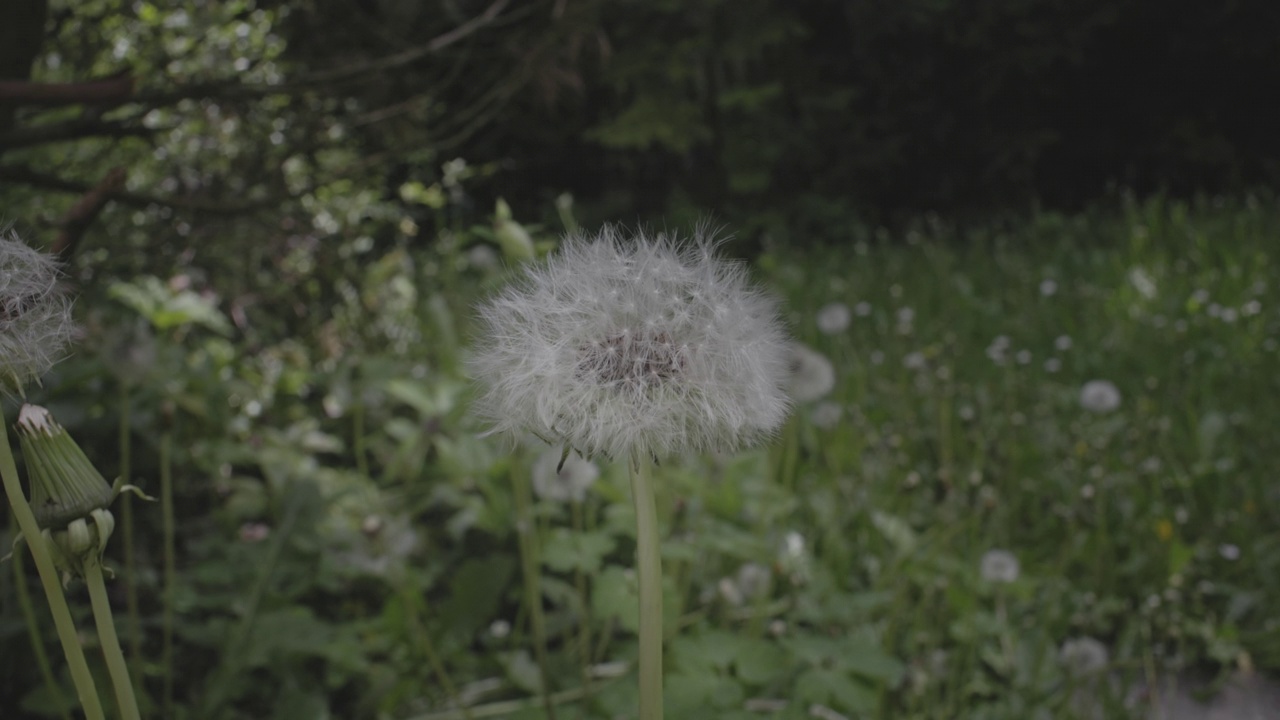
<point>649,568</point>
<point>116,665</point>
<point>30,529</point>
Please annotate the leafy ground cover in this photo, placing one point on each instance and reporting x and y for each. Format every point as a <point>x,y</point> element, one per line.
<point>1037,476</point>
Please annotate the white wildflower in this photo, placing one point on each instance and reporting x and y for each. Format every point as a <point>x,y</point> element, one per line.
<point>1100,396</point>
<point>1000,566</point>
<point>633,347</point>
<point>833,318</point>
<point>1083,656</point>
<point>812,375</point>
<point>567,484</point>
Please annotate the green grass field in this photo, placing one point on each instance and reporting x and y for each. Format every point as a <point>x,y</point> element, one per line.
<point>956,529</point>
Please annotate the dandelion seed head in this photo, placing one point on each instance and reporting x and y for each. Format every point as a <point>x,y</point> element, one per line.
<point>812,375</point>
<point>570,482</point>
<point>1099,396</point>
<point>1083,656</point>
<point>35,314</point>
<point>833,318</point>
<point>999,566</point>
<point>636,346</point>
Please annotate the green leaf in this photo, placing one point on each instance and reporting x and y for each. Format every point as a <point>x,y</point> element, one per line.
<point>565,550</point>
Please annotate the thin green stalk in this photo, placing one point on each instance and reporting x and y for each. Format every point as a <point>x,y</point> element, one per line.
<point>531,571</point>
<point>584,622</point>
<point>126,519</point>
<point>29,614</point>
<point>116,666</point>
<point>170,561</point>
<point>409,601</point>
<point>85,689</point>
<point>649,567</point>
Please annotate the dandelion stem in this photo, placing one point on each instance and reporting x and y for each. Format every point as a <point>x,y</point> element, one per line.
<point>584,621</point>
<point>126,519</point>
<point>116,667</point>
<point>85,689</point>
<point>29,614</point>
<point>532,585</point>
<point>170,560</point>
<point>649,567</point>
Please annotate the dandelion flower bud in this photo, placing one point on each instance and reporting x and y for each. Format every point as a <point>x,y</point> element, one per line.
<point>35,314</point>
<point>633,347</point>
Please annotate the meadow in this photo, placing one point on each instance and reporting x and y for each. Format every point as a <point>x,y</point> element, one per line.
<point>1028,472</point>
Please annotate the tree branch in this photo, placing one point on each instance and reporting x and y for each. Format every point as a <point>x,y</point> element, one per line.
<point>103,91</point>
<point>77,129</point>
<point>85,211</point>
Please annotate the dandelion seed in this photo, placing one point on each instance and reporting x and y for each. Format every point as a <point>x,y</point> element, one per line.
<point>1083,656</point>
<point>35,314</point>
<point>812,375</point>
<point>632,348</point>
<point>1099,396</point>
<point>833,318</point>
<point>999,566</point>
<point>563,482</point>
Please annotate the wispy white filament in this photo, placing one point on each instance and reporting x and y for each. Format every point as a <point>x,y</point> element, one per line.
<point>35,314</point>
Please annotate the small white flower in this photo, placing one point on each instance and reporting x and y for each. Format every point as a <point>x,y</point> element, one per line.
<point>826,414</point>
<point>1100,396</point>
<point>999,566</point>
<point>570,483</point>
<point>812,375</point>
<point>35,314</point>
<point>833,318</point>
<point>1142,282</point>
<point>1083,656</point>
<point>633,347</point>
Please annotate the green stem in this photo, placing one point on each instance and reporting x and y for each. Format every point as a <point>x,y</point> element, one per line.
<point>49,578</point>
<point>532,582</point>
<point>584,621</point>
<point>170,562</point>
<point>116,666</point>
<point>126,519</point>
<point>410,600</point>
<point>29,614</point>
<point>649,566</point>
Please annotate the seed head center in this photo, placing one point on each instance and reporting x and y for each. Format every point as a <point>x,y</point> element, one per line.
<point>632,359</point>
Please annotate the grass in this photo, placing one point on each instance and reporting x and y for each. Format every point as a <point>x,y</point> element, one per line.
<point>346,542</point>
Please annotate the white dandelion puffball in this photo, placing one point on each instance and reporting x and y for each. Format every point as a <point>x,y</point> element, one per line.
<point>999,566</point>
<point>35,314</point>
<point>633,347</point>
<point>568,483</point>
<point>1083,656</point>
<point>833,318</point>
<point>812,375</point>
<point>1100,396</point>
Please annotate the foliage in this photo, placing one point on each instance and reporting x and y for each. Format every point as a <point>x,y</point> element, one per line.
<point>346,541</point>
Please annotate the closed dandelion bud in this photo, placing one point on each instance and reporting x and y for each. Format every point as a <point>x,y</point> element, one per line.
<point>35,314</point>
<point>69,497</point>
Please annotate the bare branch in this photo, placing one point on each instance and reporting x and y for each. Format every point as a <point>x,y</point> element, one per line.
<point>77,129</point>
<point>104,91</point>
<point>85,211</point>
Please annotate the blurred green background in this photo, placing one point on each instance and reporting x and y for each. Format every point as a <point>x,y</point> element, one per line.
<point>278,216</point>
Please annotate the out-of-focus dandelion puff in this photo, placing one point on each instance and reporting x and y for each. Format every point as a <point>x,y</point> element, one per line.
<point>999,566</point>
<point>833,318</point>
<point>1062,342</point>
<point>1099,396</point>
<point>862,309</point>
<point>633,347</point>
<point>1052,365</point>
<point>483,257</point>
<point>1229,551</point>
<point>1142,281</point>
<point>1083,656</point>
<point>826,414</point>
<point>812,374</point>
<point>1023,357</point>
<point>568,484</point>
<point>914,361</point>
<point>998,349</point>
<point>1048,287</point>
<point>35,314</point>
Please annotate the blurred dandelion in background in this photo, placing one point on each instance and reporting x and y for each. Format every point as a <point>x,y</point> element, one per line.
<point>826,414</point>
<point>812,374</point>
<point>1083,656</point>
<point>833,318</point>
<point>570,482</point>
<point>999,566</point>
<point>1099,396</point>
